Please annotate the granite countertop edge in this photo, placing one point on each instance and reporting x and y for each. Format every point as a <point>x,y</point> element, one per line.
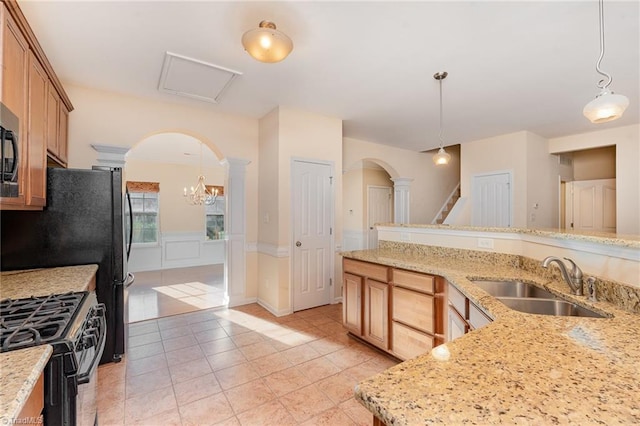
<point>45,281</point>
<point>26,366</point>
<point>556,352</point>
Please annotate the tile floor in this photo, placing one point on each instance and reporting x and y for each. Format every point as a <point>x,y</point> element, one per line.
<point>157,294</point>
<point>239,366</point>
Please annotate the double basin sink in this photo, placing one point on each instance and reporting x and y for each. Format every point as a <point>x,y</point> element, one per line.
<point>531,299</point>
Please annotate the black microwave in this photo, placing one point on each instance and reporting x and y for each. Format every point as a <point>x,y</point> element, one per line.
<point>9,139</point>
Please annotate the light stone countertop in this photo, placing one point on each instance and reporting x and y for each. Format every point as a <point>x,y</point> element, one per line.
<point>520,369</point>
<point>620,240</point>
<point>43,282</point>
<point>20,369</point>
<point>19,372</point>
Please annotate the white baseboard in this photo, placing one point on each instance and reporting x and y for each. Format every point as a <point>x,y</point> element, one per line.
<point>336,300</point>
<point>274,311</point>
<point>240,300</point>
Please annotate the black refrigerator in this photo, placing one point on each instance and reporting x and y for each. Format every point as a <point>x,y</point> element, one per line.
<point>83,223</point>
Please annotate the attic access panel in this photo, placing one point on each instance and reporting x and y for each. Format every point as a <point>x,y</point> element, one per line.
<point>192,78</point>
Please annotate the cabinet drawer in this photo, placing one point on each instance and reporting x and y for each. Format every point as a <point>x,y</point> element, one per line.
<point>371,270</point>
<point>413,308</point>
<point>408,343</point>
<point>458,300</point>
<point>477,318</point>
<point>413,280</point>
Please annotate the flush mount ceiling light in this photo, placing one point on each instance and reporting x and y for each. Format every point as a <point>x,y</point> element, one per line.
<point>442,157</point>
<point>266,43</point>
<point>607,106</point>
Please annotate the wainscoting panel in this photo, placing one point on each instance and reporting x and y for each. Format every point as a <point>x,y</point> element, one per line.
<point>177,250</point>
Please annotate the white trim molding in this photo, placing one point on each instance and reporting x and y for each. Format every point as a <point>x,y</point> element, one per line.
<point>111,155</point>
<point>274,311</point>
<point>273,250</point>
<point>401,199</point>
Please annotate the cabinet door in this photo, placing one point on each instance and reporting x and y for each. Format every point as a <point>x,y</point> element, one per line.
<point>13,93</point>
<point>37,137</point>
<point>351,303</point>
<point>63,124</point>
<point>53,121</point>
<point>456,325</point>
<point>376,313</point>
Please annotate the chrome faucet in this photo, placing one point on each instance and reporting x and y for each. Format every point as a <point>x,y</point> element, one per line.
<point>573,277</point>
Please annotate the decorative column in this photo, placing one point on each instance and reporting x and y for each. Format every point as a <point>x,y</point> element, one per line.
<point>111,155</point>
<point>235,264</point>
<point>401,199</point>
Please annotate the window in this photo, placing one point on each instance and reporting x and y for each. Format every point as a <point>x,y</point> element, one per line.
<point>214,222</point>
<point>144,205</point>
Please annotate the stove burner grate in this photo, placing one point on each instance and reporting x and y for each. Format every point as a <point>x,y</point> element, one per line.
<point>36,320</point>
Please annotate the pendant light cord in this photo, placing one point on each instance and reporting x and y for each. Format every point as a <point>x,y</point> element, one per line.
<point>601,83</point>
<point>440,134</point>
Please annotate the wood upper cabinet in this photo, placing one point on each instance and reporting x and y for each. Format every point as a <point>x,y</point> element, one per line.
<point>32,91</point>
<point>37,134</point>
<point>13,93</point>
<point>57,121</point>
<point>376,313</point>
<point>63,132</point>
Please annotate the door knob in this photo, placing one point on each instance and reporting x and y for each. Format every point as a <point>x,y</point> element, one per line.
<point>298,243</point>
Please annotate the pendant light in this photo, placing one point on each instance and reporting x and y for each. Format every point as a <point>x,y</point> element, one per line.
<point>266,43</point>
<point>442,157</point>
<point>607,106</point>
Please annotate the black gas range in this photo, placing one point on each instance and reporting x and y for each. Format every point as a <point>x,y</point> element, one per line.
<point>74,325</point>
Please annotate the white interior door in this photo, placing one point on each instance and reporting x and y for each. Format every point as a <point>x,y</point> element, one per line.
<point>492,200</point>
<point>378,211</point>
<point>591,205</point>
<point>312,215</point>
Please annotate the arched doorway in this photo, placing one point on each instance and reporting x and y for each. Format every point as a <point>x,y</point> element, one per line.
<point>179,248</point>
<point>368,198</point>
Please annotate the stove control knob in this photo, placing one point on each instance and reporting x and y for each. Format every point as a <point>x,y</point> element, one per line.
<point>89,340</point>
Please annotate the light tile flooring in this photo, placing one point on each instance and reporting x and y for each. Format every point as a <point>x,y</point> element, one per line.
<point>157,294</point>
<point>239,366</point>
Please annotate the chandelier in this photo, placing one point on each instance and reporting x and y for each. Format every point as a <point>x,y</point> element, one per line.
<point>199,194</point>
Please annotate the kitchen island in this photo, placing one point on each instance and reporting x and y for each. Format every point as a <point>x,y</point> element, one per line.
<point>521,368</point>
<point>21,370</point>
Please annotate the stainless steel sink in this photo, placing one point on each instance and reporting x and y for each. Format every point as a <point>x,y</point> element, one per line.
<point>512,288</point>
<point>556,307</point>
<point>531,299</point>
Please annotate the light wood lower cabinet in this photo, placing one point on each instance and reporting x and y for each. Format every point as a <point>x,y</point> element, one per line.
<point>463,316</point>
<point>376,313</point>
<point>417,313</point>
<point>409,342</point>
<point>400,312</point>
<point>351,303</point>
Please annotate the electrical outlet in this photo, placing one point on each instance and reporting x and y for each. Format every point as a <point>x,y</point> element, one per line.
<point>486,243</point>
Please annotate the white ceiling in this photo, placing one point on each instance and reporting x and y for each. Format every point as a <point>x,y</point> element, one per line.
<point>512,65</point>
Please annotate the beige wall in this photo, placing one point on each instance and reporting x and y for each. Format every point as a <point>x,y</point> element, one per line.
<point>597,163</point>
<point>353,207</point>
<point>287,134</point>
<point>176,215</point>
<point>534,173</point>
<point>431,185</point>
<point>112,119</point>
<point>627,142</point>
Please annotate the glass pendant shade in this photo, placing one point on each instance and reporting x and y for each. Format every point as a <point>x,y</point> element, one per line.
<point>442,157</point>
<point>266,43</point>
<point>607,106</point>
